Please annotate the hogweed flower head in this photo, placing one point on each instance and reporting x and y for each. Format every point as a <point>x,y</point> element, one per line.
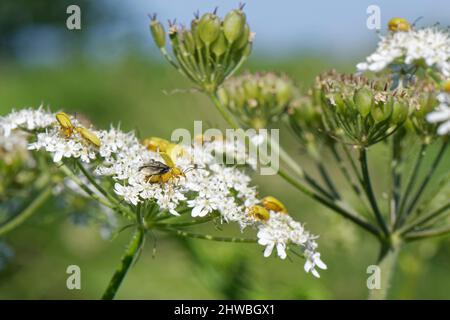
<point>257,99</point>
<point>211,50</point>
<point>362,111</point>
<point>406,49</point>
<point>117,166</point>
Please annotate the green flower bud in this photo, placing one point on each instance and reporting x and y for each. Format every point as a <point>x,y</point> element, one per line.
<point>244,38</point>
<point>382,110</point>
<point>234,25</point>
<point>209,28</point>
<point>188,41</point>
<point>219,47</point>
<point>158,33</point>
<point>194,30</point>
<point>363,99</point>
<point>247,50</point>
<point>339,103</point>
<point>399,112</point>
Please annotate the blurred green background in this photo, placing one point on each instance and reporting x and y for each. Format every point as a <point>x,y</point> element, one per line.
<point>136,89</point>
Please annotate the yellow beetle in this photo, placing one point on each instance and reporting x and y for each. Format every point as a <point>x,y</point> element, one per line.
<point>159,172</point>
<point>66,125</point>
<point>399,24</point>
<point>272,203</point>
<point>89,136</point>
<point>259,213</point>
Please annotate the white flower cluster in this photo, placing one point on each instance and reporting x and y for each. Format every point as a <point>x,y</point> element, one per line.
<point>207,185</point>
<point>441,114</point>
<point>429,45</point>
<point>281,230</point>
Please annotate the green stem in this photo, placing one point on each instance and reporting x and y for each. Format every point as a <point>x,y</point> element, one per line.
<point>429,233</point>
<point>187,223</point>
<point>410,185</point>
<point>427,218</point>
<point>387,262</point>
<point>43,196</point>
<point>188,234</point>
<point>331,205</point>
<point>328,181</point>
<point>396,155</point>
<point>125,263</point>
<point>427,178</point>
<point>117,207</point>
<point>97,186</point>
<point>369,190</point>
<point>344,170</point>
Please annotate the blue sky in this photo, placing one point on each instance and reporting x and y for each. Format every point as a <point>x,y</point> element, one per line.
<point>337,27</point>
<point>334,28</point>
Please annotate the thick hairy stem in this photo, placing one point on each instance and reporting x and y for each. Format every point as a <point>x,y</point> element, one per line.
<point>369,190</point>
<point>387,263</point>
<point>40,200</point>
<point>125,263</point>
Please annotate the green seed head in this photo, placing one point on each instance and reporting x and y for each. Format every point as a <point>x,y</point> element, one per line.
<point>399,112</point>
<point>363,100</point>
<point>243,39</point>
<point>219,47</point>
<point>234,25</point>
<point>257,99</point>
<point>209,28</point>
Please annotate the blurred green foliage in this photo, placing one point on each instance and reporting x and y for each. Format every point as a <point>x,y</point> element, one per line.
<point>142,94</point>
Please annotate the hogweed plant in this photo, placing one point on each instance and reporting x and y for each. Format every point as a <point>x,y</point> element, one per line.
<point>399,98</point>
<point>403,99</point>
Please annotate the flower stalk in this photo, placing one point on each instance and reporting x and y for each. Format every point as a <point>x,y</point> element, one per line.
<point>126,261</point>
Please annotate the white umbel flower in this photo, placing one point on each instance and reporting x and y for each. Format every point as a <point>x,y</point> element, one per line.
<point>428,45</point>
<point>208,187</point>
<point>442,114</point>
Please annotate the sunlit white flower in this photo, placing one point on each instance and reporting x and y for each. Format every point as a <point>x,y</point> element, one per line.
<point>428,45</point>
<point>312,261</point>
<point>442,114</point>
